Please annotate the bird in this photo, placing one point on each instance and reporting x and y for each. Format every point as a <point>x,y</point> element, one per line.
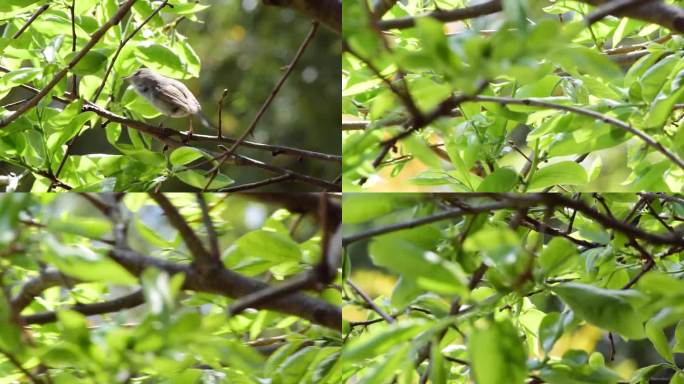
<point>169,96</point>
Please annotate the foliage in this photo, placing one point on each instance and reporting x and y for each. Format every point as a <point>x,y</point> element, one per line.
<point>536,288</point>
<point>68,144</point>
<point>109,289</point>
<point>518,95</point>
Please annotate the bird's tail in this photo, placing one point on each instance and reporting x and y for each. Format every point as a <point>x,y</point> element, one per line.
<point>205,121</point>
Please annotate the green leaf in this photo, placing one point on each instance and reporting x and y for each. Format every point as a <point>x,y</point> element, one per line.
<point>198,180</point>
<point>679,337</point>
<point>294,367</point>
<point>84,264</point>
<point>428,269</point>
<point>497,243</point>
<point>19,76</point>
<point>646,373</point>
<point>563,173</point>
<point>393,360</point>
<point>678,378</point>
<point>438,366</point>
<point>269,245</point>
<point>187,8</point>
<point>90,227</point>
<point>380,341</point>
<point>585,60</point>
<point>160,59</point>
<point>659,340</point>
<point>654,78</point>
<point>92,62</point>
<point>497,354</point>
<point>501,180</point>
<point>606,308</point>
<point>74,327</point>
<point>359,208</point>
<point>185,155</point>
<point>557,254</point>
<point>551,328</point>
<point>10,334</point>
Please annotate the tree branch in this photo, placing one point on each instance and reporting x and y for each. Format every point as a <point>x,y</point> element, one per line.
<point>228,283</point>
<point>35,286</point>
<point>586,112</point>
<point>247,186</point>
<point>370,302</point>
<point>164,134</point>
<point>129,301</point>
<point>656,12</point>
<point>266,104</point>
<point>31,19</point>
<point>487,8</point>
<point>209,225</point>
<point>613,7</point>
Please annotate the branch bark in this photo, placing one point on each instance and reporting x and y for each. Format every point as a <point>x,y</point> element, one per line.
<point>228,283</point>
<point>657,12</point>
<point>35,286</point>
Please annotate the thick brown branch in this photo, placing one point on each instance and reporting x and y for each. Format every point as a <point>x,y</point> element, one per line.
<point>164,135</point>
<point>228,283</point>
<point>656,12</point>
<point>35,286</point>
<point>487,8</point>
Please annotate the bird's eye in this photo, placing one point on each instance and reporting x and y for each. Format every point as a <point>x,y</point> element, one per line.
<point>143,89</point>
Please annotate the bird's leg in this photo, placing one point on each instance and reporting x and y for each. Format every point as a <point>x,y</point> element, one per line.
<point>189,136</point>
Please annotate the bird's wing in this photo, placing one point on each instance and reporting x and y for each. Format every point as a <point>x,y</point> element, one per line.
<point>176,93</point>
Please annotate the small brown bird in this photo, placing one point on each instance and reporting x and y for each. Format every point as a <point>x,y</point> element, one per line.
<point>169,96</point>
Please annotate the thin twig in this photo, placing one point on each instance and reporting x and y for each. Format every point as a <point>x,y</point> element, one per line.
<point>203,259</point>
<point>31,19</point>
<point>266,104</point>
<point>290,67</point>
<point>74,77</point>
<point>220,110</point>
<point>256,184</point>
<point>370,302</point>
<point>12,359</point>
<point>209,225</point>
<point>244,160</point>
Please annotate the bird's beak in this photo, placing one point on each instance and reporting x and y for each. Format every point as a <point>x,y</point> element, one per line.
<point>127,78</point>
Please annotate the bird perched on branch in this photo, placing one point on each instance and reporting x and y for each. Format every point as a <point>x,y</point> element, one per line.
<point>169,96</point>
